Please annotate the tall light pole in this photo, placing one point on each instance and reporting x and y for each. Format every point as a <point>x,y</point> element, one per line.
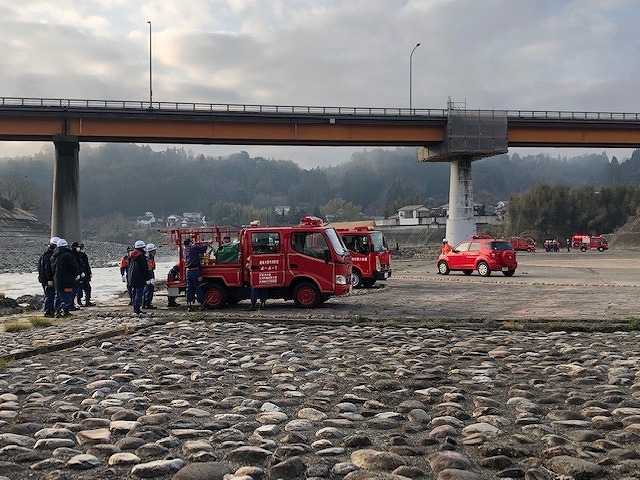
<point>411,77</point>
<point>150,70</point>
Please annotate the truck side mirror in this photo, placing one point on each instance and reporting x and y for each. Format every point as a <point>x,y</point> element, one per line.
<point>372,248</point>
<point>327,256</point>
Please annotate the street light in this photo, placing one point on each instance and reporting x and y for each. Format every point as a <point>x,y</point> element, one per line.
<point>150,70</point>
<point>411,77</point>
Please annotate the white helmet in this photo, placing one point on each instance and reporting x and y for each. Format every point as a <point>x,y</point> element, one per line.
<point>138,244</point>
<point>62,243</point>
<point>444,240</point>
<point>54,240</point>
<point>151,247</point>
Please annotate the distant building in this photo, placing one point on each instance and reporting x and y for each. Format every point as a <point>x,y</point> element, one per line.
<point>147,220</point>
<point>192,219</point>
<point>282,209</point>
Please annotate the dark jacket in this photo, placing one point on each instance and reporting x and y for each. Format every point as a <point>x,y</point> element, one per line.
<point>65,268</point>
<point>138,272</point>
<point>84,266</point>
<point>45,272</point>
<point>192,255</point>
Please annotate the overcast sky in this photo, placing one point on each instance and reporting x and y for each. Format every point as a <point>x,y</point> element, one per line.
<point>578,55</point>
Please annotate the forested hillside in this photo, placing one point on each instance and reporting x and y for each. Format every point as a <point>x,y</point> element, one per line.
<point>127,180</point>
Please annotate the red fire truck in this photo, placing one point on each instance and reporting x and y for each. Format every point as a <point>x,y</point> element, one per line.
<point>585,242</point>
<point>307,263</point>
<point>370,256</point>
<point>527,244</point>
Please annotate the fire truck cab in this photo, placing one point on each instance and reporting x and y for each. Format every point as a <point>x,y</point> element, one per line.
<point>307,263</point>
<point>370,256</point>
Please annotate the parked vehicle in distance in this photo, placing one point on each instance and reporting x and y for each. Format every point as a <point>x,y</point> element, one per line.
<point>585,242</point>
<point>307,263</point>
<point>551,245</point>
<point>526,244</point>
<point>370,256</point>
<point>481,253</point>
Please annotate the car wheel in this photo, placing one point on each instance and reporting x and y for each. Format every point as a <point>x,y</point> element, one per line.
<point>443,268</point>
<point>483,269</point>
<point>509,273</point>
<point>467,272</point>
<point>215,296</point>
<point>356,278</point>
<point>306,295</point>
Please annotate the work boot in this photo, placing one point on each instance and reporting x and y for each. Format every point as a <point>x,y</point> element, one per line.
<point>59,314</point>
<point>49,314</point>
<point>89,304</point>
<point>172,303</point>
<point>251,308</point>
<point>189,307</point>
<point>151,307</point>
<point>263,304</point>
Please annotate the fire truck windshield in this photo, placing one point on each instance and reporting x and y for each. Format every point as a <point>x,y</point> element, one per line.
<point>379,243</point>
<point>336,242</point>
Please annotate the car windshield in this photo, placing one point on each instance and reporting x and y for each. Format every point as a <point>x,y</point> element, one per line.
<point>336,241</point>
<point>499,245</point>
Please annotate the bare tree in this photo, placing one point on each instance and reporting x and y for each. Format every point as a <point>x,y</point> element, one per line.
<point>21,191</point>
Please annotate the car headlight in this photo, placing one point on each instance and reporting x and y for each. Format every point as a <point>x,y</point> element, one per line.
<point>341,280</point>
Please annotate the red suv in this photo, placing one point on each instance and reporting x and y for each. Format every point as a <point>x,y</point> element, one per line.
<point>481,253</point>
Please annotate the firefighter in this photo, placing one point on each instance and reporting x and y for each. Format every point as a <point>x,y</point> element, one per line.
<point>84,283</point>
<point>148,289</point>
<point>446,248</point>
<point>138,275</point>
<point>45,277</point>
<point>124,267</point>
<point>66,274</point>
<point>194,274</point>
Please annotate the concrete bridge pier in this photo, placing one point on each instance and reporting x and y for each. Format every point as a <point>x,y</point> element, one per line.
<point>65,206</point>
<point>461,223</point>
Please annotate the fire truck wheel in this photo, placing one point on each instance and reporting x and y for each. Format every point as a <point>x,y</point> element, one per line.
<point>600,249</point>
<point>214,296</point>
<point>443,268</point>
<point>356,279</point>
<point>483,269</point>
<point>583,249</point>
<point>509,273</point>
<point>306,295</point>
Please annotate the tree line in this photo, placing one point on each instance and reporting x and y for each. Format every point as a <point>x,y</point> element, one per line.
<point>122,181</point>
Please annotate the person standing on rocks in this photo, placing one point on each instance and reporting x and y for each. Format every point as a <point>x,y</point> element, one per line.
<point>45,277</point>
<point>65,275</point>
<point>148,289</point>
<point>138,275</point>
<point>194,274</point>
<point>124,267</point>
<point>85,282</point>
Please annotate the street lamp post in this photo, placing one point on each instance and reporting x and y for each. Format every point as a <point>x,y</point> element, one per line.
<point>411,77</point>
<point>150,70</point>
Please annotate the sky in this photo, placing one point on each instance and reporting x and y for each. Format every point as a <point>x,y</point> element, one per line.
<point>574,55</point>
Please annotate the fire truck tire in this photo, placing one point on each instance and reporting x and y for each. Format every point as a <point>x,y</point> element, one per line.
<point>483,269</point>
<point>306,295</point>
<point>370,282</point>
<point>583,249</point>
<point>215,296</point>
<point>356,279</point>
<point>529,249</point>
<point>509,273</point>
<point>600,249</point>
<point>443,268</point>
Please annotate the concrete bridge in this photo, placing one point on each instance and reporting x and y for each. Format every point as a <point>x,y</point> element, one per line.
<point>453,135</point>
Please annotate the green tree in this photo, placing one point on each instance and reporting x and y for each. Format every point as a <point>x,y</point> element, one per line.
<point>340,210</point>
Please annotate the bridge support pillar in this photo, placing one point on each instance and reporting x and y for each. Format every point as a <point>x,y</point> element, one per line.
<point>460,224</point>
<point>65,206</point>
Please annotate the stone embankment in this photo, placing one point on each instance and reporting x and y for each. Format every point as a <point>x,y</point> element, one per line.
<point>116,396</point>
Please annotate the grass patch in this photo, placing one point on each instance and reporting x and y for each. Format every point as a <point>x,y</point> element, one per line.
<point>634,323</point>
<point>16,326</point>
<point>40,321</point>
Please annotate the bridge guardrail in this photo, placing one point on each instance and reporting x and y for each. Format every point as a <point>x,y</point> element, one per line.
<point>137,105</point>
